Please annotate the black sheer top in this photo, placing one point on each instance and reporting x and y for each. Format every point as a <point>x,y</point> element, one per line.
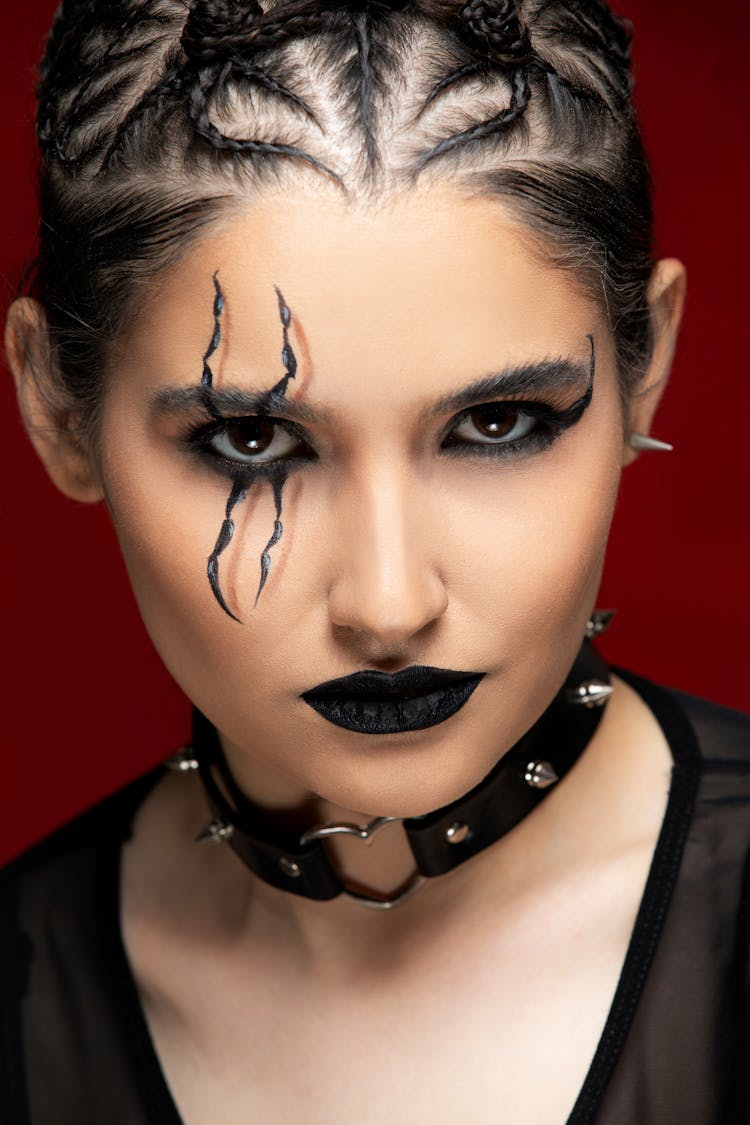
<point>74,1044</point>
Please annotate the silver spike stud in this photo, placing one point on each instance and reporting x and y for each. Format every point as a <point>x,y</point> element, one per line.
<point>644,443</point>
<point>540,775</point>
<point>599,623</point>
<point>290,868</point>
<point>183,761</point>
<point>217,832</point>
<point>590,694</point>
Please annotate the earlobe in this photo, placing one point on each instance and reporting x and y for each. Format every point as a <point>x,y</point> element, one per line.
<point>666,298</point>
<point>49,420</point>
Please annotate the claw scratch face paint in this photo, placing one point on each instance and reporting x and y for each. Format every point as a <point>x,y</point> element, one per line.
<point>240,486</point>
<point>237,495</point>
<point>289,359</point>
<point>278,531</point>
<point>239,490</point>
<point>449,490</point>
<point>207,378</point>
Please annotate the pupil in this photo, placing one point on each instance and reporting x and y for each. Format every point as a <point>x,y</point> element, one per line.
<point>252,436</point>
<point>495,421</point>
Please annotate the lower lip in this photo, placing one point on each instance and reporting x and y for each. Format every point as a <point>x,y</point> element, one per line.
<point>396,716</point>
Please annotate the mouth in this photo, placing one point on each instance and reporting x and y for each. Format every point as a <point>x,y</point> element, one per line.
<point>413,699</point>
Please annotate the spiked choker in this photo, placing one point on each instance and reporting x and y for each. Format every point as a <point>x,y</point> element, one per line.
<point>440,840</point>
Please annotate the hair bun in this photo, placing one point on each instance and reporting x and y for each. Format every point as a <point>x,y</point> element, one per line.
<point>497,31</point>
<point>213,27</point>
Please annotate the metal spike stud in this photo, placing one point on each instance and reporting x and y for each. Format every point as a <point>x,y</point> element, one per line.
<point>217,832</point>
<point>643,443</point>
<point>540,775</point>
<point>183,761</point>
<point>591,694</point>
<point>599,623</point>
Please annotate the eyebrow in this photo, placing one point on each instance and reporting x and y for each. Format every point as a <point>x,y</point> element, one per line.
<point>223,402</point>
<point>546,374</point>
<point>559,374</point>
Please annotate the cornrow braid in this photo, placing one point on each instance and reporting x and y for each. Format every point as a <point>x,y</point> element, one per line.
<point>501,122</point>
<point>156,115</point>
<point>497,31</point>
<point>200,93</point>
<point>217,29</point>
<point>212,29</point>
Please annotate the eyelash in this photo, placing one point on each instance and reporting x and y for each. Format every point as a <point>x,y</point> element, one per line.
<point>551,423</point>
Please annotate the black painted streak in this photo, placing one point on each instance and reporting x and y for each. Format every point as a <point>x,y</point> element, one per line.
<point>238,494</point>
<point>289,359</point>
<point>278,531</point>
<point>207,379</point>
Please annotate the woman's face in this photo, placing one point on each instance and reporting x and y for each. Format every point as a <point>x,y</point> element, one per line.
<point>407,511</point>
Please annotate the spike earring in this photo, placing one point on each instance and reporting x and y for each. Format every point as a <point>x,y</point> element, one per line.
<point>642,443</point>
<point>599,623</point>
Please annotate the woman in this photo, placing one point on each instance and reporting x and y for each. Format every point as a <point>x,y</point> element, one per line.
<point>349,314</point>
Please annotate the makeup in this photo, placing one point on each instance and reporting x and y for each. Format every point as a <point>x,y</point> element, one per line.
<point>377,703</point>
<point>239,487</point>
<point>289,360</point>
<point>242,483</point>
<point>237,495</point>
<point>540,422</point>
<point>278,531</point>
<point>207,378</point>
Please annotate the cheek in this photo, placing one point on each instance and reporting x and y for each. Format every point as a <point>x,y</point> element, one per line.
<point>167,519</point>
<point>533,539</point>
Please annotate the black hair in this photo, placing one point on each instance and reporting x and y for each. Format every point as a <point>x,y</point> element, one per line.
<point>155,116</point>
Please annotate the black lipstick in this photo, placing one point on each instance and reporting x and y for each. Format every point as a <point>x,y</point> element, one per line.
<point>415,698</point>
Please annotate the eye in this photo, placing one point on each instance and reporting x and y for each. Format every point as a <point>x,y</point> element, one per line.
<point>255,440</point>
<point>496,423</point>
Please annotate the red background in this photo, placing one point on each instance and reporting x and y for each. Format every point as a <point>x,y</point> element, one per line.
<point>87,704</point>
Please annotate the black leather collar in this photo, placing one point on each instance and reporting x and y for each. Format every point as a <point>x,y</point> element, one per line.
<point>440,840</point>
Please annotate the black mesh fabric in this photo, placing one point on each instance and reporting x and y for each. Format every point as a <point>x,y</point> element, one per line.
<point>75,1048</point>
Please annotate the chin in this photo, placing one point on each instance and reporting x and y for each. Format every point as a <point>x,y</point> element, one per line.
<point>400,779</point>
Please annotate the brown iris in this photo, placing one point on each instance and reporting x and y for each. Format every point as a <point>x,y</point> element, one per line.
<point>495,421</point>
<point>251,435</point>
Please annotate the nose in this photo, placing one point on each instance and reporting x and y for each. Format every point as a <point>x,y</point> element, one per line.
<point>387,587</point>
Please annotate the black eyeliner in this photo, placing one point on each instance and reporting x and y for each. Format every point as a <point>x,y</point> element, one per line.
<point>553,423</point>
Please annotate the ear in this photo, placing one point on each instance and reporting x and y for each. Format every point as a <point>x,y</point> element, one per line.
<point>666,300</point>
<point>50,423</point>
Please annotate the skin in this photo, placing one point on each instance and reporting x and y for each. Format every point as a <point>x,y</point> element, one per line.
<point>393,554</point>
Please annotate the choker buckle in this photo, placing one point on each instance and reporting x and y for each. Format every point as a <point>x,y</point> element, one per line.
<point>365,833</point>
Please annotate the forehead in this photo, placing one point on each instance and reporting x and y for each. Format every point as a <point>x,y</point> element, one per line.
<point>379,291</point>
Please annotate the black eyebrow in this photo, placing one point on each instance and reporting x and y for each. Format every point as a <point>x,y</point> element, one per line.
<point>546,374</point>
<point>227,402</point>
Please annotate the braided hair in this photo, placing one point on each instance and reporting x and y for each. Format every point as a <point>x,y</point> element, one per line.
<point>154,115</point>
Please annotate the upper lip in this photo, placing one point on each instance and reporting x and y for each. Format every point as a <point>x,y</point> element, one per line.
<point>413,681</point>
